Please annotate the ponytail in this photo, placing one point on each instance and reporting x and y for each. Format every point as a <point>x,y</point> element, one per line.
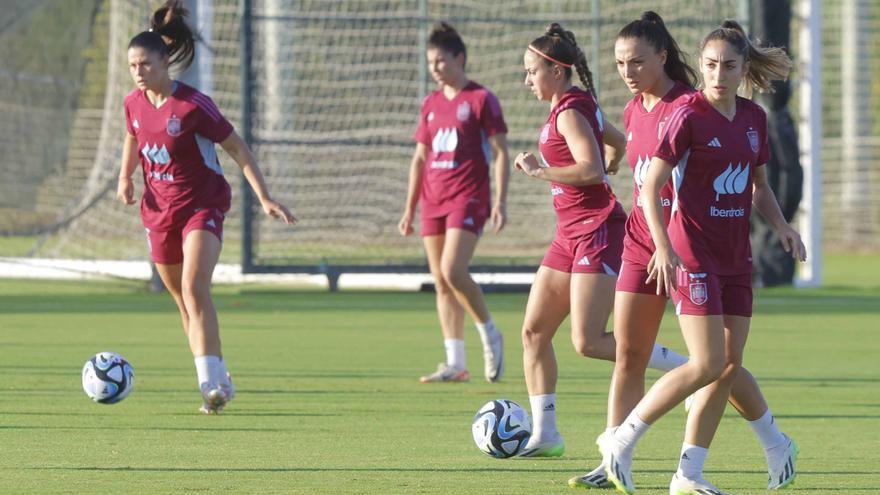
<point>766,64</point>
<point>169,35</point>
<point>651,29</point>
<point>560,47</point>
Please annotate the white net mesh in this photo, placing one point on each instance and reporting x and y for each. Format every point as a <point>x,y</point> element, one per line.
<point>337,86</point>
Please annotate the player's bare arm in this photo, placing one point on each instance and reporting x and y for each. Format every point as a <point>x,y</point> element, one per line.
<point>241,153</point>
<point>416,171</point>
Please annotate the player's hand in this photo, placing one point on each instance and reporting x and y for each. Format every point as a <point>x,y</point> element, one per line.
<point>792,243</point>
<point>662,268</point>
<point>613,165</point>
<point>277,210</point>
<point>125,191</point>
<point>499,217</point>
<point>527,163</point>
<point>405,224</point>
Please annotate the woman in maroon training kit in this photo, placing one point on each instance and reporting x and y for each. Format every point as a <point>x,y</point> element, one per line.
<point>578,273</point>
<point>459,124</point>
<point>715,147</point>
<point>172,129</point>
<point>653,68</point>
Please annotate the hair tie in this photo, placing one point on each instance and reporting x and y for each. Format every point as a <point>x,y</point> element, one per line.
<point>548,57</point>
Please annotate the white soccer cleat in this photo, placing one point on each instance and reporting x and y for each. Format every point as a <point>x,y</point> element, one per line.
<point>684,486</point>
<point>594,479</point>
<point>782,468</point>
<point>446,374</point>
<point>228,387</point>
<point>544,448</point>
<point>618,467</point>
<point>493,358</point>
<point>215,400</point>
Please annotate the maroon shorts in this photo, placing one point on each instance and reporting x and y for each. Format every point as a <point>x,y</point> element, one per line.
<point>471,216</point>
<point>632,279</point>
<point>704,294</point>
<point>166,248</point>
<point>597,252</point>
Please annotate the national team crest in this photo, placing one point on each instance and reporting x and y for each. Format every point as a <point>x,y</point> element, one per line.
<point>173,126</point>
<point>463,111</point>
<point>545,133</point>
<point>753,139</point>
<point>699,293</point>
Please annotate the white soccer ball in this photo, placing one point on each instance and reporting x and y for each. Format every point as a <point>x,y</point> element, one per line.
<point>107,378</point>
<point>501,428</point>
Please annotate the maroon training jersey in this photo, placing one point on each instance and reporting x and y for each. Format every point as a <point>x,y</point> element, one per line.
<point>176,148</point>
<point>643,130</point>
<point>715,161</point>
<point>579,209</point>
<point>456,133</point>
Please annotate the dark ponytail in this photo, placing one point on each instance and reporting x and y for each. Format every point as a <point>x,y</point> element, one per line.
<point>169,35</point>
<point>766,64</point>
<point>446,38</point>
<point>650,28</point>
<point>560,45</point>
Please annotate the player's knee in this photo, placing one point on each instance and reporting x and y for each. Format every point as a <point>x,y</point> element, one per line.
<point>456,277</point>
<point>707,371</point>
<point>631,359</point>
<point>586,348</point>
<point>195,293</point>
<point>532,339</point>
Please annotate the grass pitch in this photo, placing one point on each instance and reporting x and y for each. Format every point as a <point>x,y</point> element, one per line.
<point>328,398</point>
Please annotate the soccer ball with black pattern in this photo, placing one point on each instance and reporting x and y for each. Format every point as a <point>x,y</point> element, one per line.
<point>501,428</point>
<point>107,378</point>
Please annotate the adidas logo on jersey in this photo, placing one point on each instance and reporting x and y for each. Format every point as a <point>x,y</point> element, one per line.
<point>446,140</point>
<point>156,155</point>
<point>715,143</point>
<point>135,124</point>
<point>584,261</point>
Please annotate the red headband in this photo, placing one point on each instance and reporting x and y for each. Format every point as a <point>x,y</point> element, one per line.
<point>548,57</point>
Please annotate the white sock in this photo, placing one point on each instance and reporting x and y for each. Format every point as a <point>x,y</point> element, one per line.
<point>455,353</point>
<point>665,359</point>
<point>543,416</point>
<point>487,331</point>
<point>207,370</point>
<point>690,465</point>
<point>767,431</point>
<point>629,432</point>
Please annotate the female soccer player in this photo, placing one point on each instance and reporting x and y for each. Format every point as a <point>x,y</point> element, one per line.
<point>715,144</point>
<point>449,172</point>
<point>172,128</point>
<point>578,273</point>
<point>653,67</point>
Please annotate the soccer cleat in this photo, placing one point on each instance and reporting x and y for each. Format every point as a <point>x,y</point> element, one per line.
<point>493,358</point>
<point>446,373</point>
<point>228,387</point>
<point>782,469</point>
<point>594,479</point>
<point>214,401</point>
<point>684,486</point>
<point>618,467</point>
<point>553,448</point>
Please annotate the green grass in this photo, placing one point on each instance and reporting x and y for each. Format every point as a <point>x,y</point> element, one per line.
<point>328,400</point>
